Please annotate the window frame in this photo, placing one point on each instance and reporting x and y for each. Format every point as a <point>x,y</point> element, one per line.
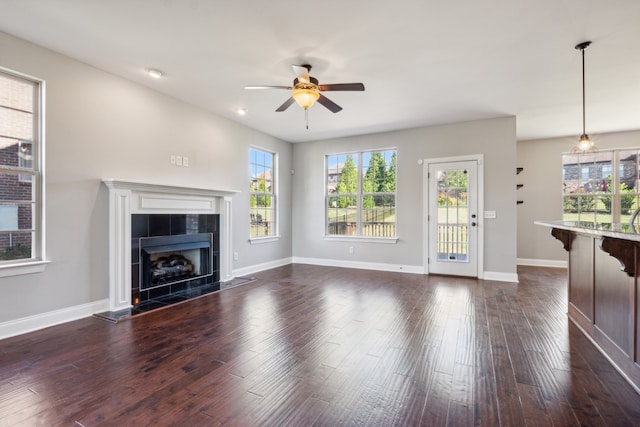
<point>360,194</point>
<point>38,260</point>
<point>273,194</point>
<point>576,196</point>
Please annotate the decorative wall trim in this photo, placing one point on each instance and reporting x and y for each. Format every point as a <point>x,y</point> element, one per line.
<point>543,262</point>
<point>51,318</point>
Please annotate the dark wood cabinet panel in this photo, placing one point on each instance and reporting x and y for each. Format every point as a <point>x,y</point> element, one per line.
<point>611,299</point>
<point>636,356</point>
<point>581,278</point>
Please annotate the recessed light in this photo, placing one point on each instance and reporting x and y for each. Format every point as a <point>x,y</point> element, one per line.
<point>155,73</point>
<point>242,111</point>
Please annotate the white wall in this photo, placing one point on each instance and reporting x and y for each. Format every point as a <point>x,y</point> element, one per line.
<point>542,192</point>
<point>495,138</point>
<point>101,126</point>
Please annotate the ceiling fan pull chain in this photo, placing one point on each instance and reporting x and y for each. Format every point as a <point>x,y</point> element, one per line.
<point>306,117</point>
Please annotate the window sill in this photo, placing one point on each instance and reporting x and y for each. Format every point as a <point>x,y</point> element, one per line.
<point>259,240</point>
<point>362,239</point>
<point>19,269</point>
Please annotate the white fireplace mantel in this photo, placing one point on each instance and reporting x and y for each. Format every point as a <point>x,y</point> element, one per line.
<point>128,197</point>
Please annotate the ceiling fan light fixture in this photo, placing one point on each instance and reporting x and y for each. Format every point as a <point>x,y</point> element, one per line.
<point>305,97</point>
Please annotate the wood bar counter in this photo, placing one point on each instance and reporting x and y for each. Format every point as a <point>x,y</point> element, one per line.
<point>603,285</point>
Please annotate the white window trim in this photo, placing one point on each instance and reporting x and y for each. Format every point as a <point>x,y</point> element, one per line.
<point>264,239</point>
<point>39,262</point>
<point>359,195</point>
<point>276,210</point>
<point>361,239</point>
<point>28,267</point>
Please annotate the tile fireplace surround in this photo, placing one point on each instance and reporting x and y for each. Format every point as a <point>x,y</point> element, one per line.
<point>127,198</point>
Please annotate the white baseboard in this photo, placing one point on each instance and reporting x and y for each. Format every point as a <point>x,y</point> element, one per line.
<point>542,262</point>
<point>245,271</point>
<point>51,318</point>
<point>56,317</point>
<point>500,276</point>
<point>414,269</point>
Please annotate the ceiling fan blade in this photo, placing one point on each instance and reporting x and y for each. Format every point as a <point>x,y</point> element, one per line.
<point>286,105</point>
<point>329,104</point>
<point>268,87</point>
<point>301,72</point>
<point>342,86</point>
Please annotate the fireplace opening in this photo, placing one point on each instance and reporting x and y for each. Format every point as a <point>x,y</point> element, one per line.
<point>169,260</point>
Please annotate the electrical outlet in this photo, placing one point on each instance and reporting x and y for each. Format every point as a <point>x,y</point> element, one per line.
<point>185,161</point>
<point>178,160</point>
<point>235,256</point>
<point>351,249</point>
<point>173,159</point>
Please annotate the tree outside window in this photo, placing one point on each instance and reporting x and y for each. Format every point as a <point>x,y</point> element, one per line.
<point>361,202</point>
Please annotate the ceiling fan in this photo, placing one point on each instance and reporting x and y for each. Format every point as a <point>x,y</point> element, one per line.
<point>306,90</point>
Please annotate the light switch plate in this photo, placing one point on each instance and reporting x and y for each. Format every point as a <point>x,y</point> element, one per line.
<point>490,214</point>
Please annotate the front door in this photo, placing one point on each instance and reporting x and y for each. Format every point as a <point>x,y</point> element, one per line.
<point>453,218</point>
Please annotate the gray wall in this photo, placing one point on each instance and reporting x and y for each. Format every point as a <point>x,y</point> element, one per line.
<point>101,126</point>
<point>542,192</point>
<point>495,138</point>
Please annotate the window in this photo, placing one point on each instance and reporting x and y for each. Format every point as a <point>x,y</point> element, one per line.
<point>361,194</point>
<point>262,194</point>
<point>607,193</point>
<point>21,181</point>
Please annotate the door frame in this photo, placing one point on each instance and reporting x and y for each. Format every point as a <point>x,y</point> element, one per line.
<point>479,159</point>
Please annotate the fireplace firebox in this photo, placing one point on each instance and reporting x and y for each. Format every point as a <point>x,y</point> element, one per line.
<point>168,260</point>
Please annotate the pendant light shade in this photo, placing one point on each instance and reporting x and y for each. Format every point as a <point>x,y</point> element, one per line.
<point>584,144</point>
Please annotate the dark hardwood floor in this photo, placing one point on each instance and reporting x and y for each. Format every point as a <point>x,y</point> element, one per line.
<point>308,345</point>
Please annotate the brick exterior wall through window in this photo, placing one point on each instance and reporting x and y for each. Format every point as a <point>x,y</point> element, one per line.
<point>17,100</point>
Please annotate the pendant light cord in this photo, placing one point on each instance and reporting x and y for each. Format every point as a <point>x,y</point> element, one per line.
<point>582,46</point>
<point>583,95</point>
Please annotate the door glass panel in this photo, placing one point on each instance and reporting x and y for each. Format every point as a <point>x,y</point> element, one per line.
<point>453,215</point>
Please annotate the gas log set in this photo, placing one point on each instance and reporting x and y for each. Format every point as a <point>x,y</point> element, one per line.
<point>172,267</point>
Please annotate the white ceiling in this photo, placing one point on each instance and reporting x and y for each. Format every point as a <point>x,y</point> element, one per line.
<point>423,62</point>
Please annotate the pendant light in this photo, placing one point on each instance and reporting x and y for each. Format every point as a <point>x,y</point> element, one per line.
<point>584,144</point>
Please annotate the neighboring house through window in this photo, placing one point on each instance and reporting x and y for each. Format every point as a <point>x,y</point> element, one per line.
<point>361,194</point>
<point>601,187</point>
<point>21,180</point>
<point>262,193</point>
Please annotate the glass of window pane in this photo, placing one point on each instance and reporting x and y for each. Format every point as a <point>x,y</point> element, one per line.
<point>342,215</point>
<point>16,218</point>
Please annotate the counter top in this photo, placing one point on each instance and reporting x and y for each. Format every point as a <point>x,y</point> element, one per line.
<point>615,230</point>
